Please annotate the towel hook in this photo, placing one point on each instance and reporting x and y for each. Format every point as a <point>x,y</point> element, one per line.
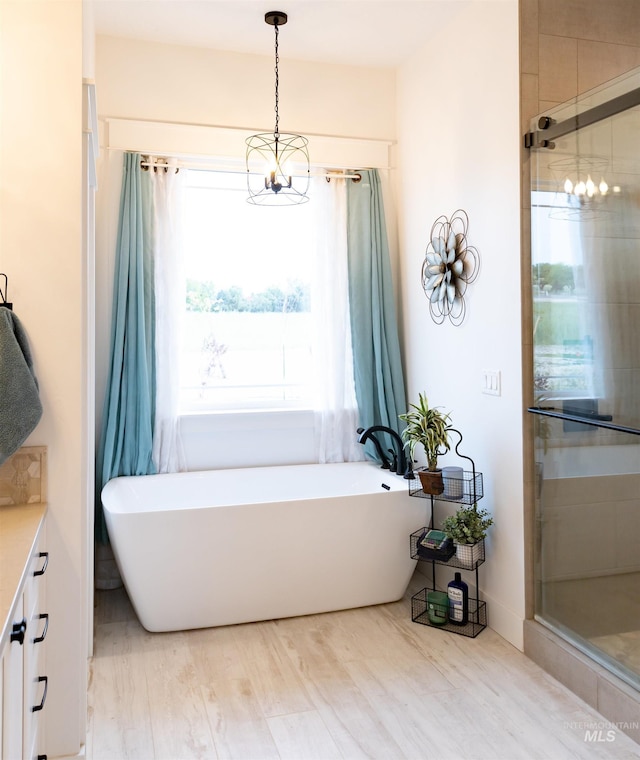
<point>3,294</point>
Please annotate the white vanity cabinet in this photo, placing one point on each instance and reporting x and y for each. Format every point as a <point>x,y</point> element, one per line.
<point>13,690</point>
<point>23,680</point>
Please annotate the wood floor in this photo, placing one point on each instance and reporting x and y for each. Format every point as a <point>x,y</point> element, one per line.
<point>365,683</point>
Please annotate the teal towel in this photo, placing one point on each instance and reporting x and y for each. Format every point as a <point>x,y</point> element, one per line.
<point>20,407</point>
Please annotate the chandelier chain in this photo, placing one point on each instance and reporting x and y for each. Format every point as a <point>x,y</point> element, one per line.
<point>276,131</point>
<point>278,169</point>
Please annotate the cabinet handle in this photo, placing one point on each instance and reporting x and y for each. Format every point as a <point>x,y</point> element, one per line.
<point>36,573</point>
<point>41,757</point>
<point>44,693</point>
<point>39,639</point>
<point>18,631</point>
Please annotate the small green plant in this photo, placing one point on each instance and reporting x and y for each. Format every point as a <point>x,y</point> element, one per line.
<point>468,525</point>
<point>429,427</point>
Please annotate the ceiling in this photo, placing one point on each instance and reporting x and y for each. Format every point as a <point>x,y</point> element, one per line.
<point>373,33</point>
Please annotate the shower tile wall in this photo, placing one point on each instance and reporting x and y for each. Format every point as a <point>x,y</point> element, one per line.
<point>571,46</point>
<point>614,21</point>
<point>579,543</point>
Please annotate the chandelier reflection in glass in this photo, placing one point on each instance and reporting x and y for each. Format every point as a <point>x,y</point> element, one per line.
<point>278,162</point>
<point>584,178</point>
<point>585,189</point>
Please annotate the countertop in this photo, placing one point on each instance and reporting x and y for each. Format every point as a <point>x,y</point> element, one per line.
<point>20,527</point>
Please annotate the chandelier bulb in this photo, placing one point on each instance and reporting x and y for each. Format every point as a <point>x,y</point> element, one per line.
<point>568,186</point>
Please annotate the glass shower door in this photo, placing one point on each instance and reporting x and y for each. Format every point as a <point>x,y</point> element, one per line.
<point>585,211</point>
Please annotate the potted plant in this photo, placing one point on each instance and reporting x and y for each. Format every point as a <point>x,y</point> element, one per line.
<point>468,528</point>
<point>429,427</point>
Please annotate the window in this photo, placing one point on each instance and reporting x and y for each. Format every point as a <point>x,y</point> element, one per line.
<point>247,332</point>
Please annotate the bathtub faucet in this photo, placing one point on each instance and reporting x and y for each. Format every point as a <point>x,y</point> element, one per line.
<point>399,462</point>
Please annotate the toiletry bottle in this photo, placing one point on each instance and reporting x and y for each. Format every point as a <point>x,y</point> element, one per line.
<point>458,593</point>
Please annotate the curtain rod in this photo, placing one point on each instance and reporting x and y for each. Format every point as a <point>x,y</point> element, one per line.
<point>178,164</point>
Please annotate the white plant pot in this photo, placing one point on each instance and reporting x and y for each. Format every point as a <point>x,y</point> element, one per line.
<point>469,554</point>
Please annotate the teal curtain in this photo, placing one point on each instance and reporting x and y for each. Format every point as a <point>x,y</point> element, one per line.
<point>126,441</point>
<point>378,372</point>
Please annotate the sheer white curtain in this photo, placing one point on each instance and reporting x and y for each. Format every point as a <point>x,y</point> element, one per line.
<point>336,412</point>
<point>168,455</point>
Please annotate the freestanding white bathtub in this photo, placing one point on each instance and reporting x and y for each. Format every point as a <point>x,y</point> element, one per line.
<point>202,549</point>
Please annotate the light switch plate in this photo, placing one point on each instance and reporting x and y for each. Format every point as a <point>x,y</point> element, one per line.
<point>491,382</point>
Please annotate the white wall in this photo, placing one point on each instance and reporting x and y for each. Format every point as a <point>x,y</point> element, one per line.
<point>40,250</point>
<point>147,80</point>
<point>190,86</point>
<point>458,147</point>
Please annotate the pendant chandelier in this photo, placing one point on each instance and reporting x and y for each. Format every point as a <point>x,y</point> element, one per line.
<point>278,162</point>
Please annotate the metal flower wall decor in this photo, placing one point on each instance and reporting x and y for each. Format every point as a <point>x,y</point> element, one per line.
<point>450,264</point>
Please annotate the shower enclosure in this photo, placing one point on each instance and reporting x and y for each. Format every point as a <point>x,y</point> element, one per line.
<point>585,218</point>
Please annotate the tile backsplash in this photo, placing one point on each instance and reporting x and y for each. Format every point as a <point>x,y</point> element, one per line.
<point>23,477</point>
